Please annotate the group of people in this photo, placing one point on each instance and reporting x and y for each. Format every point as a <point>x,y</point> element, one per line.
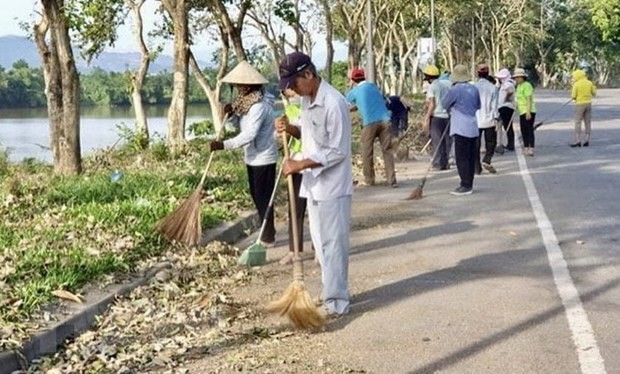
<point>460,113</point>
<point>317,117</point>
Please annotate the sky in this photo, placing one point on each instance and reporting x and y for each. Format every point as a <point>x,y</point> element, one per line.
<point>12,12</point>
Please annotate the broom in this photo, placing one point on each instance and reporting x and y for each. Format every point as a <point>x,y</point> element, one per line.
<point>183,225</point>
<point>416,194</point>
<point>538,124</point>
<point>256,255</point>
<point>296,302</point>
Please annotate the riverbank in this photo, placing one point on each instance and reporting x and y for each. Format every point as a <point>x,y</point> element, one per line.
<point>61,233</point>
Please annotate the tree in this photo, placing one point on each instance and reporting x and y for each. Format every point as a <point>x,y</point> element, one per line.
<point>177,10</point>
<point>61,87</point>
<point>137,77</point>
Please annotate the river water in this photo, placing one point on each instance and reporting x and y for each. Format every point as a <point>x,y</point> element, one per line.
<point>24,133</point>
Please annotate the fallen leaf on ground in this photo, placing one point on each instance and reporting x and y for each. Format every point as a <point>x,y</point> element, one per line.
<point>66,295</point>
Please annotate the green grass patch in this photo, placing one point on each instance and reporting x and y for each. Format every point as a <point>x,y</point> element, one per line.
<point>63,232</point>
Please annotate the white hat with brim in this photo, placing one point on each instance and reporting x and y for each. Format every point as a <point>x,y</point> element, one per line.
<point>503,74</point>
<point>460,74</point>
<point>244,73</point>
<point>519,73</point>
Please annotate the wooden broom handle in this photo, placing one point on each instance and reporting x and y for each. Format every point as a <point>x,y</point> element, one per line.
<point>291,198</point>
<point>217,137</point>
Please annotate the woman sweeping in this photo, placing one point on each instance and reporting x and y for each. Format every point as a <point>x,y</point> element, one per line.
<point>253,109</point>
<point>527,110</point>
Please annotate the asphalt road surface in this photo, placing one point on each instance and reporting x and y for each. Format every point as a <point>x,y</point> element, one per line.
<point>522,276</point>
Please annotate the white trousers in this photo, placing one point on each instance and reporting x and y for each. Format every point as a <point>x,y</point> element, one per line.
<point>329,229</point>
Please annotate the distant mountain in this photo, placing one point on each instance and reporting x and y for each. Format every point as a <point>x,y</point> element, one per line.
<point>14,48</point>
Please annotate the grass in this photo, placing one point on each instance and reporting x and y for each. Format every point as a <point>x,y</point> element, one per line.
<point>63,232</point>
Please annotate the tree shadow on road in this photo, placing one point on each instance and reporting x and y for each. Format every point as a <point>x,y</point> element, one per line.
<point>413,236</point>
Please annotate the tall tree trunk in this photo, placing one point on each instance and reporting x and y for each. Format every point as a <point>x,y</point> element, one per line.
<point>329,39</point>
<point>137,78</point>
<point>177,112</point>
<point>62,88</point>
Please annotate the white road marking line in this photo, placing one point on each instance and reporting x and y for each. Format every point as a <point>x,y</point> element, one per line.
<point>590,359</point>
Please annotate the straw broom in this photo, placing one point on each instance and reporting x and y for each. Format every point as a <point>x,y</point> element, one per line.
<point>417,192</point>
<point>183,225</point>
<point>296,303</point>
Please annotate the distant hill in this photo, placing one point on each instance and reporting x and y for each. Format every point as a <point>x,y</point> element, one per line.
<point>14,48</point>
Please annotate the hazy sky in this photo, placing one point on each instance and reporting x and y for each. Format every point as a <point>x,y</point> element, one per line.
<point>12,12</point>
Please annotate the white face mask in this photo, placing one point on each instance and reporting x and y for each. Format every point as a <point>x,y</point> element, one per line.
<point>295,100</point>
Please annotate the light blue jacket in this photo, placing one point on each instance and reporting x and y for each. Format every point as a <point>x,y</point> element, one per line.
<point>256,134</point>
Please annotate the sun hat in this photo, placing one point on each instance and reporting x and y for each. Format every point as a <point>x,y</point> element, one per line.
<point>519,72</point>
<point>290,67</point>
<point>503,74</point>
<point>358,74</point>
<point>431,70</point>
<point>244,73</point>
<point>460,74</point>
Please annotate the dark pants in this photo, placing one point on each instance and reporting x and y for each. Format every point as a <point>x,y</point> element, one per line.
<point>505,115</point>
<point>300,206</point>
<point>262,180</point>
<point>490,142</point>
<point>465,153</point>
<point>438,127</point>
<point>527,130</point>
<point>398,125</point>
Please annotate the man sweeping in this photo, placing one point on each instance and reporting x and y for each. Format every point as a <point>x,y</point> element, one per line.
<point>436,119</point>
<point>327,183</point>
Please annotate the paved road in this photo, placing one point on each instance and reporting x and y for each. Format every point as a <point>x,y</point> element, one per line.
<point>520,277</point>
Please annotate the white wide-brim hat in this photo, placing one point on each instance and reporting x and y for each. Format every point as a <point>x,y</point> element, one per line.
<point>503,74</point>
<point>519,73</point>
<point>460,74</point>
<point>244,73</point>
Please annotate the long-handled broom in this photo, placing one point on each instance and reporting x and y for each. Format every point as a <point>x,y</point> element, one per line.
<point>296,302</point>
<point>255,254</point>
<point>416,194</point>
<point>183,224</point>
<point>540,123</point>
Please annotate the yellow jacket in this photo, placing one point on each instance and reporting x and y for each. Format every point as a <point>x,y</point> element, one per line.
<point>583,89</point>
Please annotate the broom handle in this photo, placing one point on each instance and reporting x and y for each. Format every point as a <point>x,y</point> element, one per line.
<point>271,200</point>
<point>435,152</point>
<point>217,137</point>
<point>292,202</point>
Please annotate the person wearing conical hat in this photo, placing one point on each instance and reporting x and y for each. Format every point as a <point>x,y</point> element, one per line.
<point>253,109</point>
<point>582,92</point>
<point>527,110</point>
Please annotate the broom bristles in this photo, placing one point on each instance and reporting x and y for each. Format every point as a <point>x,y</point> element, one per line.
<point>183,224</point>
<point>416,194</point>
<point>297,305</point>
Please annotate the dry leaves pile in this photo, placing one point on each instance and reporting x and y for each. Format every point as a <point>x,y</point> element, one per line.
<point>185,312</point>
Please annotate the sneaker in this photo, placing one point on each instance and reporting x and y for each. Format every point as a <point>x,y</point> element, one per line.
<point>330,314</point>
<point>509,149</point>
<point>488,167</point>
<point>575,145</point>
<point>462,191</point>
<point>499,149</point>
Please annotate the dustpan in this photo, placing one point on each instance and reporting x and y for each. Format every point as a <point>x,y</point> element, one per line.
<point>256,254</point>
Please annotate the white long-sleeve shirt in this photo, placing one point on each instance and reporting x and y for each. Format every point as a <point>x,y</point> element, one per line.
<point>326,139</point>
<point>488,104</point>
<point>256,135</point>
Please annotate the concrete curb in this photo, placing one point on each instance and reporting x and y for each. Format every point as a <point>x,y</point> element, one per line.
<point>47,341</point>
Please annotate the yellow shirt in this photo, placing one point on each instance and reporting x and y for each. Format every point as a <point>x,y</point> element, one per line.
<point>583,88</point>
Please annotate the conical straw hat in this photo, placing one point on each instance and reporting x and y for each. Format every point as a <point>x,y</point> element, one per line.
<point>244,73</point>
